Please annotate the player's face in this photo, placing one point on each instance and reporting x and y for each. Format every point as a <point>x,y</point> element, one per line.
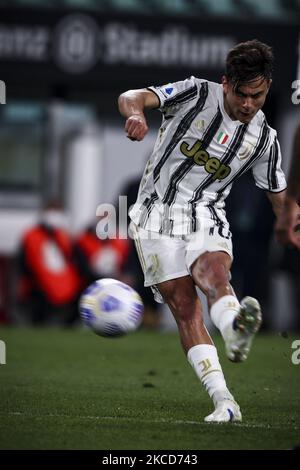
<point>246,100</point>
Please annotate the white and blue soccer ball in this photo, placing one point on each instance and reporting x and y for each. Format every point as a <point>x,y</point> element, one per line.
<point>111,308</point>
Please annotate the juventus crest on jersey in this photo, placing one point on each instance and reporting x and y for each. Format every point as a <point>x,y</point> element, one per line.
<point>199,152</point>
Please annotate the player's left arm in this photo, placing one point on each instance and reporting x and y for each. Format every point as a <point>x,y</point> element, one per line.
<point>293,191</point>
<point>277,200</point>
<point>288,221</point>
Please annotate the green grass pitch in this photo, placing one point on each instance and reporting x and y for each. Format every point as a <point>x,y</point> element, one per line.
<point>70,389</point>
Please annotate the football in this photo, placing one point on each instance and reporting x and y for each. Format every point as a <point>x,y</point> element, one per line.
<point>111,308</point>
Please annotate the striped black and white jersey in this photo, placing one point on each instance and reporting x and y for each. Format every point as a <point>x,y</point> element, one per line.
<point>199,152</point>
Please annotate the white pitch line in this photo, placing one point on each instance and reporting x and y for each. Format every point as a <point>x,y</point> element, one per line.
<point>151,421</point>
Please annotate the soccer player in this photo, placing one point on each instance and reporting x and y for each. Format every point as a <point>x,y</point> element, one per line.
<point>289,218</point>
<point>210,135</point>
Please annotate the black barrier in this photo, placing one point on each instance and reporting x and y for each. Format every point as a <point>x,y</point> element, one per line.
<point>79,49</point>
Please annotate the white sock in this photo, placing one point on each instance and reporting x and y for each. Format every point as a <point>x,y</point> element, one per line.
<point>223,312</point>
<point>204,360</point>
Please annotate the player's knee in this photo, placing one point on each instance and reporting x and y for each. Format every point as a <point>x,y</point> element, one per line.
<point>217,273</point>
<point>210,272</point>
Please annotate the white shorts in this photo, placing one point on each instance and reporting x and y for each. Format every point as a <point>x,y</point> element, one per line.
<point>163,258</point>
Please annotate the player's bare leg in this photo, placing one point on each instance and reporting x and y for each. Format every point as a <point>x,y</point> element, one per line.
<point>237,322</point>
<point>211,273</point>
<point>181,296</point>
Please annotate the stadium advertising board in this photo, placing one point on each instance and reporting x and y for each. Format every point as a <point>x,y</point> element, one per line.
<point>86,48</point>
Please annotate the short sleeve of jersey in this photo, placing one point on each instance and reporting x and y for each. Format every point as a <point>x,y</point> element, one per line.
<point>267,172</point>
<point>177,93</point>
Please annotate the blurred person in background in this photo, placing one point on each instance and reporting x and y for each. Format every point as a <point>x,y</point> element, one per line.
<point>252,226</point>
<point>287,227</point>
<point>210,135</point>
<point>98,258</point>
<point>49,283</point>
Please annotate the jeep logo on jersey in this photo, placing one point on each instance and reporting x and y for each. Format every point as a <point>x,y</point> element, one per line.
<point>202,158</point>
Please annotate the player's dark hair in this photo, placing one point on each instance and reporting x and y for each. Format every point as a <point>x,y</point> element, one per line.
<point>249,61</point>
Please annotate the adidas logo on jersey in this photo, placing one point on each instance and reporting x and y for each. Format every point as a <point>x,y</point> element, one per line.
<point>202,158</point>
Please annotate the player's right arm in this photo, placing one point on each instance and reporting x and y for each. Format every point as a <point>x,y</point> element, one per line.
<point>132,104</point>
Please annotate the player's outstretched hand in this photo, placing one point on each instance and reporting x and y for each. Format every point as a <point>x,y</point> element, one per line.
<point>136,127</point>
